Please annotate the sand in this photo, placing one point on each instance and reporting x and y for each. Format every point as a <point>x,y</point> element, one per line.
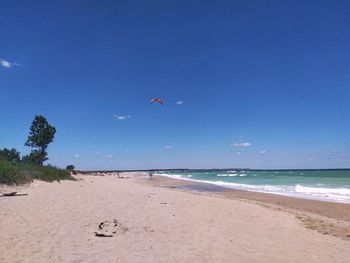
<point>57,222</point>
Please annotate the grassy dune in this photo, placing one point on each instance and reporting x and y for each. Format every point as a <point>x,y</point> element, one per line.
<point>21,173</point>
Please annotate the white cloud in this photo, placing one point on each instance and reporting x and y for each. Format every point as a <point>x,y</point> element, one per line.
<point>238,153</point>
<point>179,102</point>
<point>76,155</point>
<point>109,156</point>
<point>169,147</point>
<point>98,152</point>
<point>122,117</point>
<point>7,64</point>
<point>242,144</point>
<point>263,152</point>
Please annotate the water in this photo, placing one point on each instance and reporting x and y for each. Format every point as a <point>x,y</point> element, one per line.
<point>326,185</point>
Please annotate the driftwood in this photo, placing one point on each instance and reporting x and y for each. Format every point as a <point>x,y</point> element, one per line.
<point>11,194</point>
<point>102,235</point>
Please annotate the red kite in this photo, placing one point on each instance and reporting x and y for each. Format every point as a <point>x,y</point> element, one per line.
<point>157,100</point>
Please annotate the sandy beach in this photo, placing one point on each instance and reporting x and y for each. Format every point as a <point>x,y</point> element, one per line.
<point>159,221</point>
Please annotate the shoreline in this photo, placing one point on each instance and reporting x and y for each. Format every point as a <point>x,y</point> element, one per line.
<point>335,210</point>
<point>228,185</point>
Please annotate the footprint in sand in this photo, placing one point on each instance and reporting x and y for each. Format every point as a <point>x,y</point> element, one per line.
<point>148,229</point>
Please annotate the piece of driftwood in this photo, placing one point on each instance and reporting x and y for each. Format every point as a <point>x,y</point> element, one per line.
<point>102,235</point>
<point>11,194</point>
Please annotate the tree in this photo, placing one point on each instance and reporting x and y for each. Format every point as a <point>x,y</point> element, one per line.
<point>35,157</point>
<point>11,155</point>
<point>70,167</point>
<point>40,136</point>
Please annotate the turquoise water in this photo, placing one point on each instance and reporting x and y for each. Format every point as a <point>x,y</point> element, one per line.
<point>327,185</point>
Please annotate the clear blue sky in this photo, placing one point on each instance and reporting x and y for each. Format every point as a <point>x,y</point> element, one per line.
<point>264,84</point>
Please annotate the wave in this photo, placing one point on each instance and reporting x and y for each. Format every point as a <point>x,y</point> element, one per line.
<point>230,175</point>
<point>341,195</point>
<point>224,175</point>
<point>322,190</point>
<point>175,176</point>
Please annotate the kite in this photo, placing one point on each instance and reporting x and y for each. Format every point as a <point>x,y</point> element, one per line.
<point>157,100</point>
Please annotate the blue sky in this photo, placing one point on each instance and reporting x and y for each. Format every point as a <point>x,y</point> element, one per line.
<point>263,84</point>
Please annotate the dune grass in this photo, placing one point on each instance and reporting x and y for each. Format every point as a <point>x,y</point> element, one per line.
<point>20,173</point>
<point>10,173</point>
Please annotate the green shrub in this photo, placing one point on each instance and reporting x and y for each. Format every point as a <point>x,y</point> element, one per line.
<point>34,157</point>
<point>11,155</point>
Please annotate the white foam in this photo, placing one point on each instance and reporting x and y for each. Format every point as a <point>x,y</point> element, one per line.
<point>322,190</point>
<point>175,176</point>
<point>341,195</point>
<point>230,175</point>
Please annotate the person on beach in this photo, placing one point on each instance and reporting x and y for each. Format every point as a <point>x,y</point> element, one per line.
<point>150,175</point>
